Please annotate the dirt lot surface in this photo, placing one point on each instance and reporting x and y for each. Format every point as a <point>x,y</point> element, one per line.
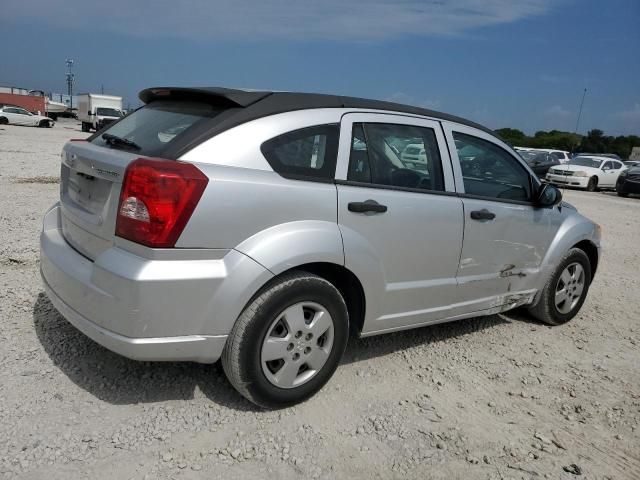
<point>495,397</point>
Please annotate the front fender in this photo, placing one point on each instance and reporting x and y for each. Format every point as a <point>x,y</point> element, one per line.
<point>572,231</point>
<point>291,244</point>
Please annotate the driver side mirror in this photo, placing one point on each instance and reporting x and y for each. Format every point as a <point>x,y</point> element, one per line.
<point>548,195</point>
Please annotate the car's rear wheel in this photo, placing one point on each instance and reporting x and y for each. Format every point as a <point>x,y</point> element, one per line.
<point>592,185</point>
<point>44,123</point>
<point>288,341</point>
<point>565,292</point>
<point>3,121</point>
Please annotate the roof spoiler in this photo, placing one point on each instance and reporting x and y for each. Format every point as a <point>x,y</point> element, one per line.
<point>228,97</point>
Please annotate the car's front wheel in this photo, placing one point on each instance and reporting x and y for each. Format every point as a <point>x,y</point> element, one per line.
<point>592,185</point>
<point>288,341</point>
<point>566,290</point>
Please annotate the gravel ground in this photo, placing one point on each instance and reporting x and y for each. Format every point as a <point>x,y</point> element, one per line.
<point>494,397</point>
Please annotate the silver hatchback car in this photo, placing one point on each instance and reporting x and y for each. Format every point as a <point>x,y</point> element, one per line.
<point>262,228</point>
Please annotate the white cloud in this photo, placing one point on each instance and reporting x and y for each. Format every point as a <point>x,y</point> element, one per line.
<point>557,111</point>
<point>251,19</point>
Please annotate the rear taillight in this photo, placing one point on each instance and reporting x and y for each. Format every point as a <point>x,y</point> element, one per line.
<point>157,199</point>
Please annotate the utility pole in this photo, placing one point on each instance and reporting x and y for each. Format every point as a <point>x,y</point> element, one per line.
<point>70,78</point>
<point>102,88</point>
<point>584,94</point>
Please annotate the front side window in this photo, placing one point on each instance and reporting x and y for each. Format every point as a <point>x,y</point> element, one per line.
<point>607,166</point>
<point>309,153</point>
<point>403,156</point>
<point>490,171</point>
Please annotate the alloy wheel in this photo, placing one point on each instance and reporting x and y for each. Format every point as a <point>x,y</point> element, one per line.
<point>297,345</point>
<point>569,288</point>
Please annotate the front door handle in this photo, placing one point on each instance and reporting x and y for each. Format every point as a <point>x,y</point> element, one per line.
<point>483,214</point>
<point>366,206</point>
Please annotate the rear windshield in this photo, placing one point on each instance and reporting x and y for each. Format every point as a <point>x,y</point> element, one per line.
<point>153,127</point>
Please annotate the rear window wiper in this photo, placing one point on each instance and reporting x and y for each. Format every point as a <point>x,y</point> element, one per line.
<point>114,140</point>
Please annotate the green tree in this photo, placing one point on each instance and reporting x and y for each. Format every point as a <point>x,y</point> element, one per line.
<point>512,136</point>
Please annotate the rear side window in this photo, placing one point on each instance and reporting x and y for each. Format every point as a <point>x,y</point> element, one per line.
<point>157,125</point>
<point>307,154</point>
<point>403,156</point>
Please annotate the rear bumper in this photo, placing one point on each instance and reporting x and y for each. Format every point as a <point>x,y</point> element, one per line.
<point>195,348</point>
<point>147,309</point>
<point>578,182</point>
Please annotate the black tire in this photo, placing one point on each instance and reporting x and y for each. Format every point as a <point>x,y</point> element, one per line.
<point>592,186</point>
<point>241,358</point>
<point>622,194</point>
<point>44,124</point>
<point>546,310</point>
<point>85,127</point>
<point>3,121</point>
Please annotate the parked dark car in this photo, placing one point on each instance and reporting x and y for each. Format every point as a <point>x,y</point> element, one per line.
<point>540,162</point>
<point>628,182</point>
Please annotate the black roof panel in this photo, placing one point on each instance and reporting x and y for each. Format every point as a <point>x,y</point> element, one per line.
<point>247,105</point>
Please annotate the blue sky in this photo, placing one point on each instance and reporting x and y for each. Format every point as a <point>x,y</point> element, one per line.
<point>522,64</point>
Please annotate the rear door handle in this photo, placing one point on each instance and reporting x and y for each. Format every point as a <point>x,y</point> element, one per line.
<point>483,214</point>
<point>366,206</point>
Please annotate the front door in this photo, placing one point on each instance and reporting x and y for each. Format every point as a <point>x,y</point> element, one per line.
<point>400,218</point>
<point>506,236</point>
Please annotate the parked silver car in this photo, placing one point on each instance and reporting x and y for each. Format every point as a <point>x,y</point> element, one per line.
<point>260,228</point>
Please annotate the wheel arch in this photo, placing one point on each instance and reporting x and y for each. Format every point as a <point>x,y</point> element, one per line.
<point>340,277</point>
<point>588,247</point>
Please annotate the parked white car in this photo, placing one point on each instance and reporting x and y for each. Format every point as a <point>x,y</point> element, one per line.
<point>19,116</point>
<point>414,155</point>
<point>589,173</point>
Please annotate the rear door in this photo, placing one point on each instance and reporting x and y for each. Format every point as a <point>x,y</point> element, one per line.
<point>610,172</point>
<point>14,116</point>
<point>505,235</point>
<point>400,219</point>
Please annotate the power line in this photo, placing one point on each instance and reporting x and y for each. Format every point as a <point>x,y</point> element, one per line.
<point>584,94</point>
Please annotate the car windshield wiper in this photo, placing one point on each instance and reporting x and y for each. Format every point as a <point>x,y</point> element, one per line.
<point>114,140</point>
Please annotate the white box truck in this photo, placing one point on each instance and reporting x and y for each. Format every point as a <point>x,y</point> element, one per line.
<point>96,110</point>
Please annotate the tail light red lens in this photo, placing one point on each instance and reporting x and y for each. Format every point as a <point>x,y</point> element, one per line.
<point>157,199</point>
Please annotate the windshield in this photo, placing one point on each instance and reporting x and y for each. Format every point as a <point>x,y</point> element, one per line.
<point>157,124</point>
<point>528,155</point>
<point>109,112</point>
<point>586,162</point>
